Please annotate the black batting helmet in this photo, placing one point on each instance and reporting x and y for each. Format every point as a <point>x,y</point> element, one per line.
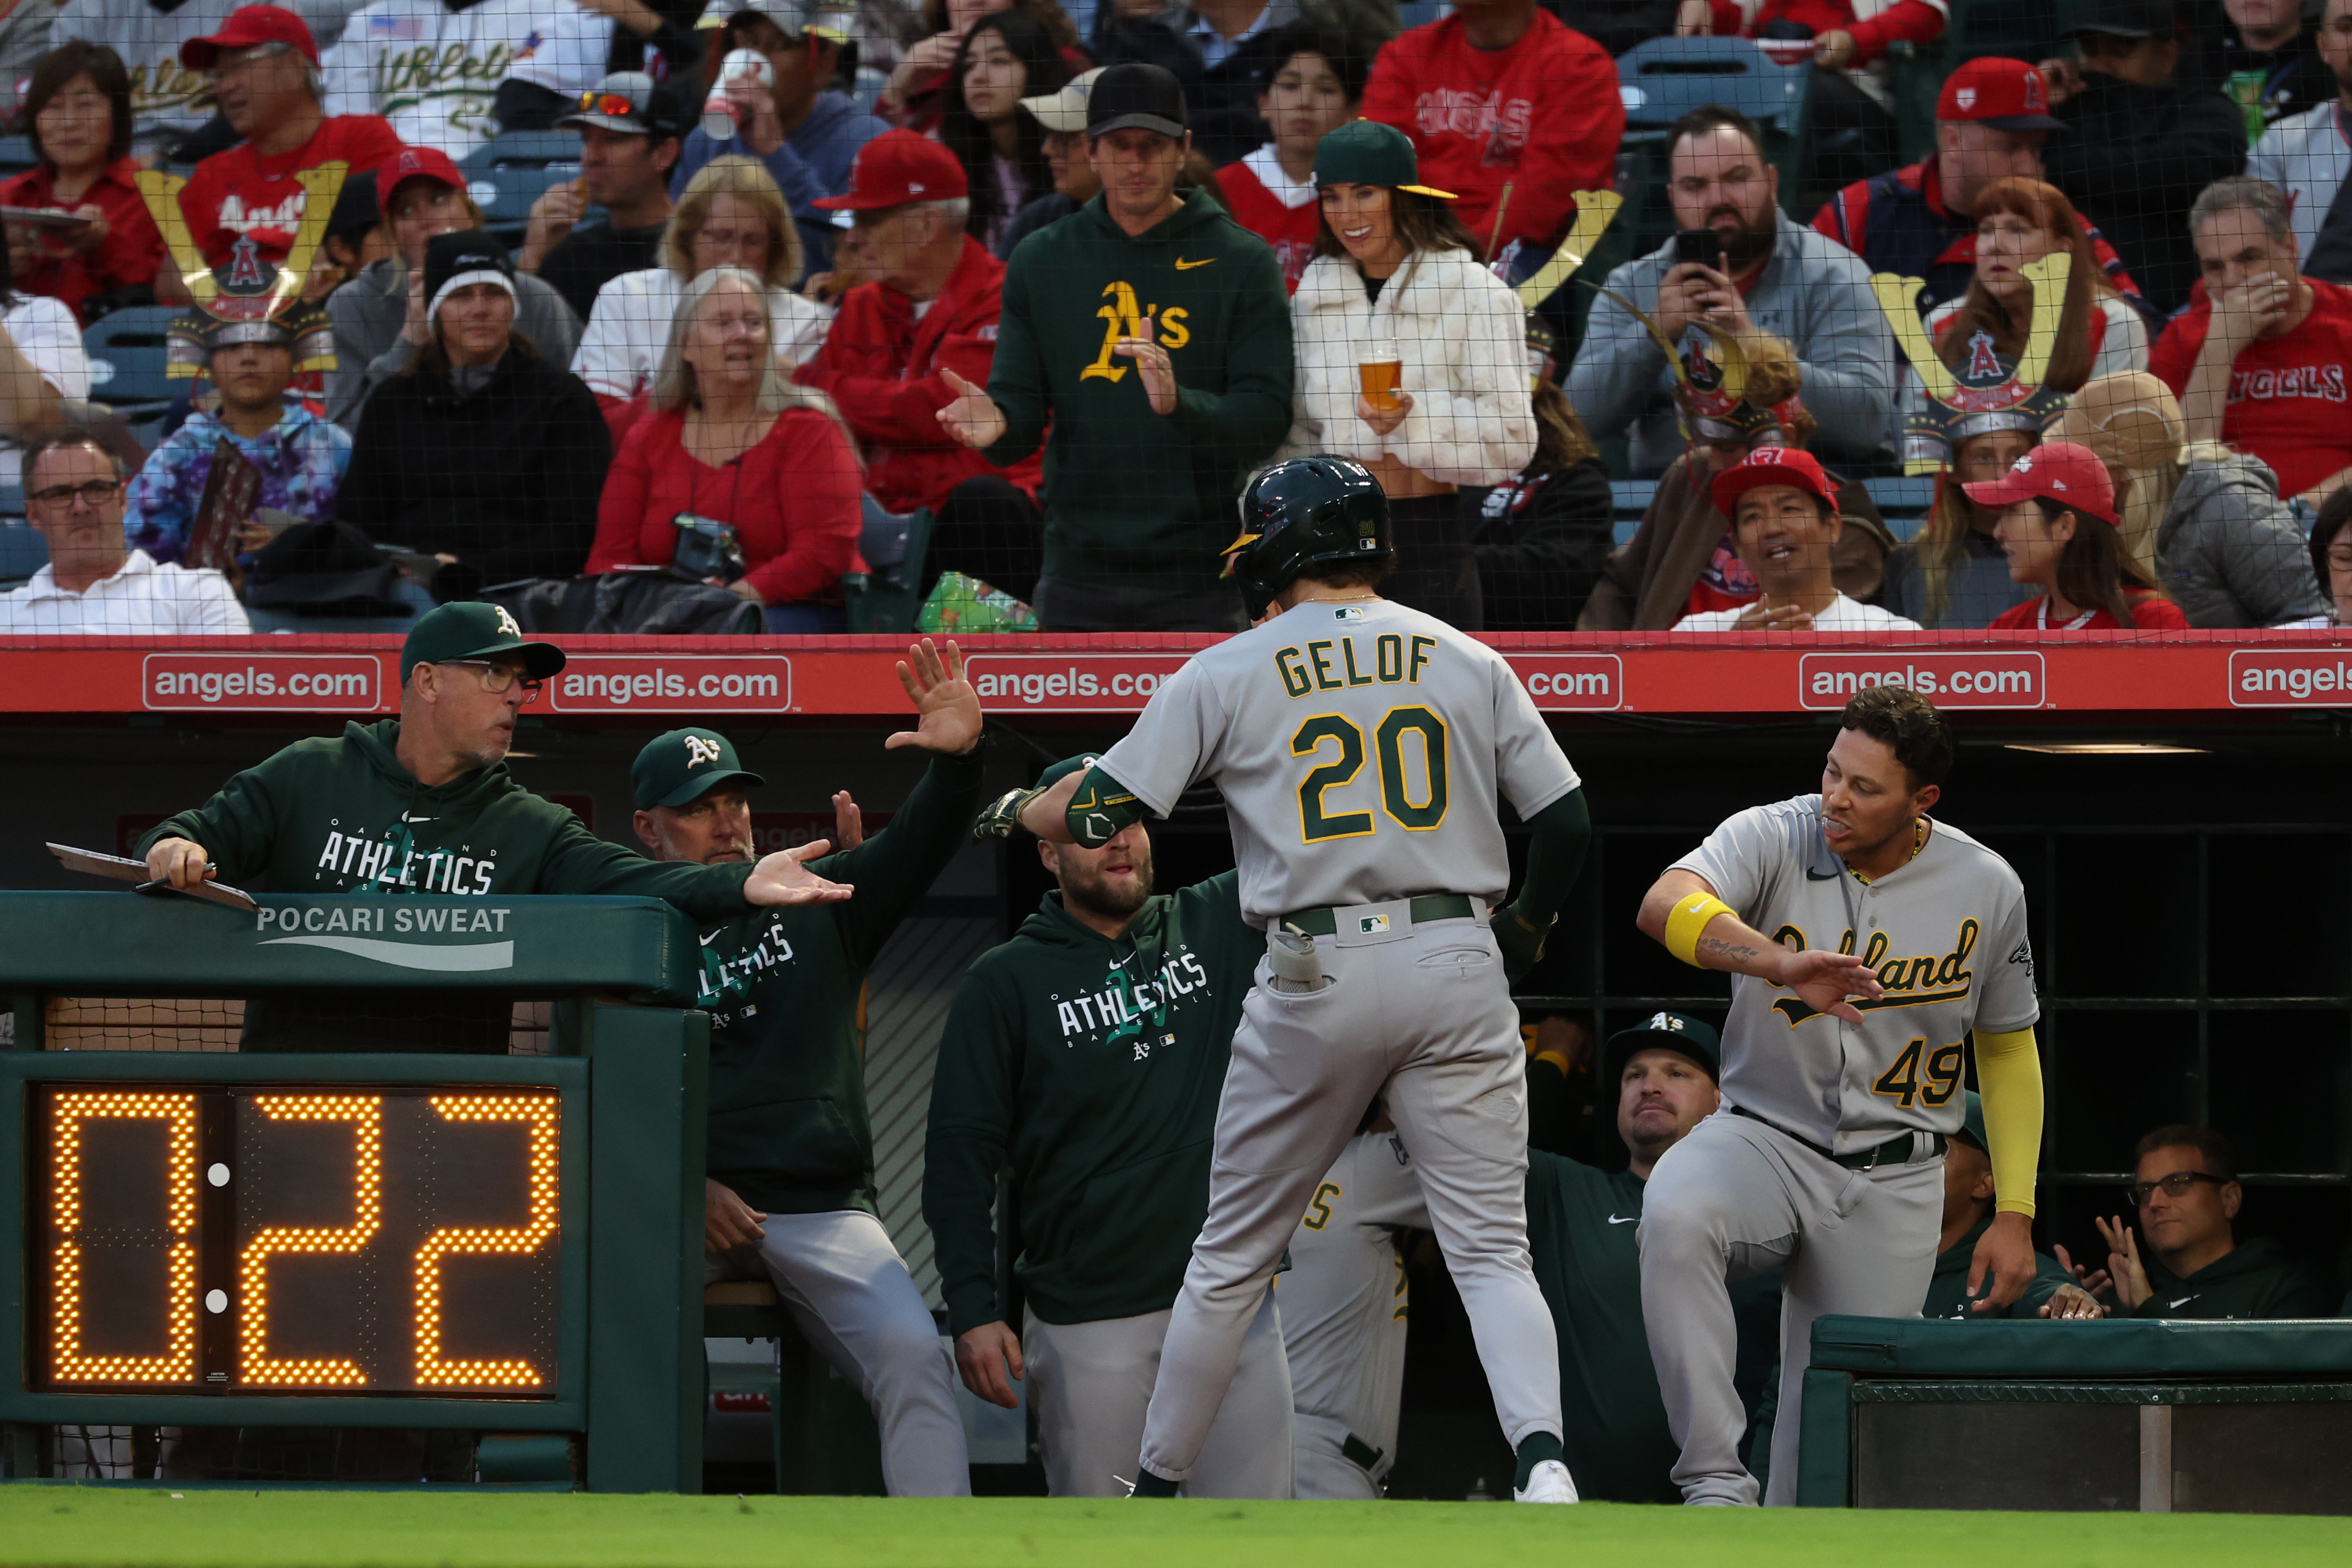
<point>1307,511</point>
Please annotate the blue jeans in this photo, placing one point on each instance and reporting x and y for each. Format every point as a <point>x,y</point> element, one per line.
<point>806,619</point>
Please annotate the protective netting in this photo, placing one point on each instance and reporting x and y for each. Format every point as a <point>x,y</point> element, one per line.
<point>819,316</point>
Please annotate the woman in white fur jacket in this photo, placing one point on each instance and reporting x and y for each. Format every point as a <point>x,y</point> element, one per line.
<point>1395,275</point>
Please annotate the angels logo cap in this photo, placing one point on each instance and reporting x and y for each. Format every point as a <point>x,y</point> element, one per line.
<point>1773,465</point>
<point>2057,471</point>
<point>473,630</point>
<point>898,167</point>
<point>683,766</point>
<point>2007,95</point>
<point>247,27</point>
<point>414,163</point>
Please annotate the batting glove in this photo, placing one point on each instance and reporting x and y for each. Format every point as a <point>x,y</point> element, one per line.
<point>1522,943</point>
<point>1000,818</point>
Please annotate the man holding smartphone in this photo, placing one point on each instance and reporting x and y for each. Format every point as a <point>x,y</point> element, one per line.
<point>1740,265</point>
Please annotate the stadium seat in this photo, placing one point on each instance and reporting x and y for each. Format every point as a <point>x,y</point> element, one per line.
<point>127,357</point>
<point>886,597</point>
<point>1665,79</point>
<point>17,154</point>
<point>506,174</point>
<point>23,551</point>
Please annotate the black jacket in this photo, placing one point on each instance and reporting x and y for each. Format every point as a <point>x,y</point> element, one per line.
<point>506,480</point>
<point>1541,540</point>
<point>2137,156</point>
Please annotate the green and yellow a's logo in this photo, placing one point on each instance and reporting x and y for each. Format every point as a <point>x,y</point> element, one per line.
<point>1122,318</point>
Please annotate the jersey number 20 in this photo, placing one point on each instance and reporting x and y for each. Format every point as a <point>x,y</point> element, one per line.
<point>1315,824</point>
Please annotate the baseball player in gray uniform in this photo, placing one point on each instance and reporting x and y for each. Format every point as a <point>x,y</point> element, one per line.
<point>1867,943</point>
<point>1344,1308</point>
<point>1360,746</point>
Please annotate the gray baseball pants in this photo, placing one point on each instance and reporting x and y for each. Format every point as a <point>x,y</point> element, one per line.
<point>850,1292</point>
<point>1420,1015</point>
<point>1733,1199</point>
<point>1091,1382</point>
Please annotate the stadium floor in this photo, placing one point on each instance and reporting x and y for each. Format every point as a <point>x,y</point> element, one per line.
<point>59,1527</point>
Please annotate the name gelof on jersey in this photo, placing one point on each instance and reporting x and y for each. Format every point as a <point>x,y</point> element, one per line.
<point>1913,982</point>
<point>1333,664</point>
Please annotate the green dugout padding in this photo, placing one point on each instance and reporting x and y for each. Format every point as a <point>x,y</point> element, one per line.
<point>524,1232</point>
<point>2151,1415</point>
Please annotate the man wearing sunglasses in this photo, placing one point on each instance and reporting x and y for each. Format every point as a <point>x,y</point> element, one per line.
<point>629,127</point>
<point>423,804</point>
<point>94,582</point>
<point>2192,1265</point>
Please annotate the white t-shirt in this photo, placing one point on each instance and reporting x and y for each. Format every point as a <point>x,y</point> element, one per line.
<point>1844,614</point>
<point>435,72</point>
<point>45,333</point>
<point>621,348</point>
<point>140,599</point>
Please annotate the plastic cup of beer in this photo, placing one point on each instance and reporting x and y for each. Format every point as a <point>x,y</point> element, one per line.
<point>1380,373</point>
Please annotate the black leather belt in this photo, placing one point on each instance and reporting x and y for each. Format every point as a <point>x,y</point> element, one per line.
<point>1897,1151</point>
<point>1430,906</point>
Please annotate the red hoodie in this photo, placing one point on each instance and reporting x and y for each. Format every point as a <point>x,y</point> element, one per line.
<point>882,366</point>
<point>1542,116</point>
<point>1904,21</point>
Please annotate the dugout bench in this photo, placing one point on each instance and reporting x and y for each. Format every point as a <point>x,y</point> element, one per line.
<point>2153,1414</point>
<point>501,1240</point>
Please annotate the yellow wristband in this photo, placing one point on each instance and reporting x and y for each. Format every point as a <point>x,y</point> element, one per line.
<point>1689,921</point>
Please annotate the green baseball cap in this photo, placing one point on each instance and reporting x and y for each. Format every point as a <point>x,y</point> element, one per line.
<point>1366,152</point>
<point>473,630</point>
<point>686,765</point>
<point>1972,1127</point>
<point>1694,1038</point>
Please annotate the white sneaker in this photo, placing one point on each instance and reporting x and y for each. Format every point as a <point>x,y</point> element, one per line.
<point>1549,1483</point>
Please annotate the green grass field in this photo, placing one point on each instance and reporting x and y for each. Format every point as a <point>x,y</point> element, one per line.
<point>83,1527</point>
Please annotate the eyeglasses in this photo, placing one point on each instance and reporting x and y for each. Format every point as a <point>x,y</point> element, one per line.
<point>2177,1184</point>
<point>499,679</point>
<point>615,104</point>
<point>94,491</point>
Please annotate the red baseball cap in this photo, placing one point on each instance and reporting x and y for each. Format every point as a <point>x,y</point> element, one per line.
<point>2059,471</point>
<point>414,163</point>
<point>898,167</point>
<point>247,26</point>
<point>2007,95</point>
<point>1773,465</point>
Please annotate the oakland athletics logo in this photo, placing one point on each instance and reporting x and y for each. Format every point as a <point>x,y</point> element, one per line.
<point>699,752</point>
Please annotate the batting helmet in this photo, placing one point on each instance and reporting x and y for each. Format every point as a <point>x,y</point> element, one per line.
<point>1308,511</point>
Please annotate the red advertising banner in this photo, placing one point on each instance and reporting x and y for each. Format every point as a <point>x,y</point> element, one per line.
<point>1986,679</point>
<point>1571,682</point>
<point>663,683</point>
<point>2290,677</point>
<point>1069,683</point>
<point>263,683</point>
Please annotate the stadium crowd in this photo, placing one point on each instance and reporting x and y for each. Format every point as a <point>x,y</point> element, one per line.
<point>1004,302</point>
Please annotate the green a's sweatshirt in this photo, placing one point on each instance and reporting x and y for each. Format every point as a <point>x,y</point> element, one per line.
<point>788,1131</point>
<point>2256,1278</point>
<point>1092,1067</point>
<point>1947,1289</point>
<point>341,814</point>
<point>1132,498</point>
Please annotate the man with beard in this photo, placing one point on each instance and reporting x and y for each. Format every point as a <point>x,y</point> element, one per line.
<point>789,1193</point>
<point>1769,274</point>
<point>1086,1056</point>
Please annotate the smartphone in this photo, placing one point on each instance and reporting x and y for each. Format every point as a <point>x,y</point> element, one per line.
<point>1703,246</point>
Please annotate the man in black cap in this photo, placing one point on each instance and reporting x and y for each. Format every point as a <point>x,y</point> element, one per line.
<point>630,130</point>
<point>789,1193</point>
<point>2144,137</point>
<point>1153,334</point>
<point>423,803</point>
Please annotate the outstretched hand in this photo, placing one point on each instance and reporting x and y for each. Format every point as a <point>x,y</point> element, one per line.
<point>848,823</point>
<point>1824,980</point>
<point>784,878</point>
<point>948,709</point>
<point>2123,1262</point>
<point>973,419</point>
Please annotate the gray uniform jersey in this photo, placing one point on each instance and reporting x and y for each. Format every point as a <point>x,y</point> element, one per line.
<point>1946,934</point>
<point>1360,748</point>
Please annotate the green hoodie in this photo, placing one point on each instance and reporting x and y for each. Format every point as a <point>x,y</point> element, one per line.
<point>1133,499</point>
<point>342,815</point>
<point>788,1131</point>
<point>2255,1278</point>
<point>1092,1067</point>
<point>1947,1289</point>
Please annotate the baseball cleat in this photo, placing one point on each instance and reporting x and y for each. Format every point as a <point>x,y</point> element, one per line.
<point>1549,1483</point>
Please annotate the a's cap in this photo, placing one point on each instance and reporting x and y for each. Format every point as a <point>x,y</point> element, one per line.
<point>628,101</point>
<point>2129,419</point>
<point>1138,98</point>
<point>684,765</point>
<point>1366,152</point>
<point>473,629</point>
<point>2059,471</point>
<point>898,167</point>
<point>2007,95</point>
<point>1773,465</point>
<point>1972,1125</point>
<point>1065,110</point>
<point>2126,19</point>
<point>832,19</point>
<point>247,26</point>
<point>1694,1038</point>
<point>453,261</point>
<point>413,163</point>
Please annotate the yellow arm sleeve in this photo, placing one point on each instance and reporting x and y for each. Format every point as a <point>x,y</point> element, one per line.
<point>2008,1076</point>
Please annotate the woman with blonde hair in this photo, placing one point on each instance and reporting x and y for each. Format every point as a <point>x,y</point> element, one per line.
<point>731,215</point>
<point>2203,521</point>
<point>736,476</point>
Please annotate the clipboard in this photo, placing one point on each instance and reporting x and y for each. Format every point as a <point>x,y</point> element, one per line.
<point>118,869</point>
